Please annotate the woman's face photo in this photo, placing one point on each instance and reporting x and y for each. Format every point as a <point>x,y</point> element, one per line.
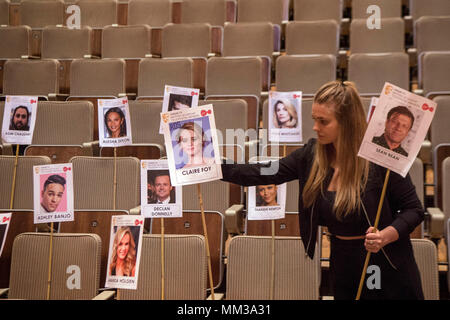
<point>191,142</point>
<point>268,193</point>
<point>123,247</point>
<point>282,113</point>
<point>114,123</point>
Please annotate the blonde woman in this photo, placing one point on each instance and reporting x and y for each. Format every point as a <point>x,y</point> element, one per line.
<point>123,260</point>
<point>340,190</point>
<point>191,140</point>
<point>284,114</point>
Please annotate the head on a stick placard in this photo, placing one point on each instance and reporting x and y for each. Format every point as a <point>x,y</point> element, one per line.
<point>5,219</point>
<point>178,98</point>
<point>285,116</point>
<point>192,146</point>
<point>19,118</point>
<point>114,124</point>
<point>397,129</point>
<point>159,197</point>
<point>124,252</point>
<point>267,202</point>
<point>53,193</point>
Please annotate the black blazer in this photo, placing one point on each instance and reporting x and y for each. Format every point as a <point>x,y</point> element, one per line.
<point>401,209</point>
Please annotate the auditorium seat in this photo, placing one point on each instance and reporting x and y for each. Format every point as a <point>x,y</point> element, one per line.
<point>425,253</point>
<point>309,10</point>
<point>15,41</point>
<point>419,8</point>
<point>389,38</point>
<point>63,130</point>
<point>306,73</point>
<point>155,74</point>
<point>64,44</point>
<point>4,12</point>
<point>251,39</point>
<point>236,77</point>
<point>249,269</point>
<point>23,190</point>
<point>31,78</point>
<point>312,37</point>
<point>185,269</point>
<point>92,79</point>
<point>132,43</point>
<point>433,73</point>
<point>448,251</point>
<point>429,34</point>
<point>371,71</point>
<point>188,40</point>
<point>98,14</point>
<point>388,8</point>
<point>147,142</point>
<point>438,128</point>
<point>417,177</point>
<point>273,11</point>
<point>213,12</point>
<point>74,276</point>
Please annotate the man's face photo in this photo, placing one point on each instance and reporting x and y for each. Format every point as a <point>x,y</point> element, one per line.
<point>51,196</point>
<point>162,187</point>
<point>397,128</point>
<point>20,119</point>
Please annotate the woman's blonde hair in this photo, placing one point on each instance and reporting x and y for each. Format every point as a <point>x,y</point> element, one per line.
<point>130,259</point>
<point>292,123</point>
<point>344,100</point>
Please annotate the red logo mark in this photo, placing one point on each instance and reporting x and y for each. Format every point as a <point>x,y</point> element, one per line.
<point>193,93</point>
<point>426,107</point>
<point>124,101</point>
<point>33,101</point>
<point>204,112</point>
<point>138,222</point>
<point>296,96</point>
<point>5,219</point>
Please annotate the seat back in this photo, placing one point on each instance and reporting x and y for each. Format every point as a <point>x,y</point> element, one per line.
<point>248,39</point>
<point>312,37</point>
<point>388,8</point>
<point>60,42</point>
<point>308,10</point>
<point>31,77</point>
<point>438,129</point>
<point>155,74</point>
<point>419,8</point>
<point>97,77</point>
<point>433,74</point>
<point>274,11</point>
<point>75,266</point>
<point>425,254</point>
<point>371,71</point>
<point>23,194</point>
<point>306,73</point>
<point>15,40</point>
<point>4,12</point>
<point>389,38</point>
<point>186,40</point>
<point>90,13</point>
<point>425,36</point>
<point>199,11</point>
<point>126,41</point>
<point>440,153</point>
<point>185,269</point>
<point>93,180</point>
<point>249,269</point>
<point>145,121</point>
<point>40,13</point>
<point>155,13</point>
<point>446,188</point>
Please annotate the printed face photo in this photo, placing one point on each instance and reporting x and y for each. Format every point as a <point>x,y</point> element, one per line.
<point>52,193</point>
<point>160,189</point>
<point>266,195</point>
<point>20,119</point>
<point>124,252</point>
<point>284,114</point>
<point>179,101</point>
<point>115,124</point>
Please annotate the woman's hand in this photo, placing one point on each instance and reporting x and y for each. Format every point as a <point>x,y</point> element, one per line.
<point>378,239</point>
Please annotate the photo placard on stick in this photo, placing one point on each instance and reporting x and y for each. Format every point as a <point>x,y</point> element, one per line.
<point>53,193</point>
<point>178,98</point>
<point>159,198</point>
<point>285,116</point>
<point>372,106</point>
<point>5,219</point>
<point>397,129</point>
<point>192,146</point>
<point>124,251</point>
<point>267,202</point>
<point>114,124</point>
<point>19,118</point>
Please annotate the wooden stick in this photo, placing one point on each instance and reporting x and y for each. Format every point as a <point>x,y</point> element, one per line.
<point>272,275</point>
<point>50,254</point>
<point>115,178</point>
<point>377,219</point>
<point>13,187</point>
<point>205,231</point>
<point>162,259</point>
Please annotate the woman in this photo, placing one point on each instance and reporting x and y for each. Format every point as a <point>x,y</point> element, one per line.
<point>285,115</point>
<point>123,260</point>
<point>340,190</point>
<point>115,123</point>
<point>191,140</point>
<point>266,195</point>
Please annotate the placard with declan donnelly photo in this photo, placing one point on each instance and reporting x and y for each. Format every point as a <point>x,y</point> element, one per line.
<point>192,146</point>
<point>19,118</point>
<point>397,128</point>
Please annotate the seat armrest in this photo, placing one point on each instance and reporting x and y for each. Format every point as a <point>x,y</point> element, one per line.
<point>217,296</point>
<point>105,295</point>
<point>136,210</point>
<point>436,223</point>
<point>4,292</point>
<point>234,217</point>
